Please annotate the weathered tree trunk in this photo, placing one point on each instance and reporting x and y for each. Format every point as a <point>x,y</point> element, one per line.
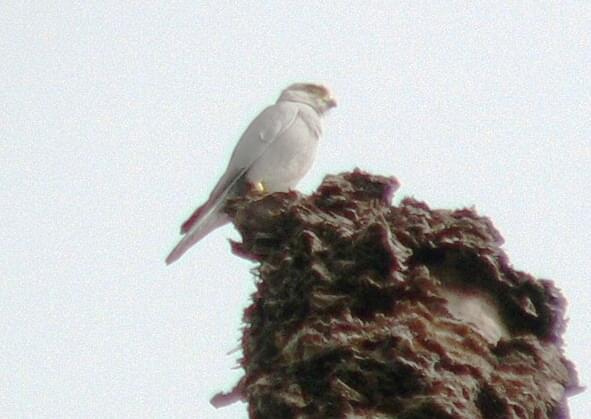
<point>368,310</point>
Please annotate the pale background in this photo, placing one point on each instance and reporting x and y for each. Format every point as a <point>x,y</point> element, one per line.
<point>117,119</point>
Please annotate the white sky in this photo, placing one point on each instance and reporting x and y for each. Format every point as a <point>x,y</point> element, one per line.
<point>116,120</point>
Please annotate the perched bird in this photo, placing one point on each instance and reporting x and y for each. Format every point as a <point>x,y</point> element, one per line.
<point>273,154</point>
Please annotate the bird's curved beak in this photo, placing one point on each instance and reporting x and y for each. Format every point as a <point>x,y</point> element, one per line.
<point>331,102</point>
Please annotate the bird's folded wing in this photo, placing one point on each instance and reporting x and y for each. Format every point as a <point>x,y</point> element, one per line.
<point>260,134</point>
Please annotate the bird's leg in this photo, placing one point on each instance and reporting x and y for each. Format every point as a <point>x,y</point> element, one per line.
<point>259,187</point>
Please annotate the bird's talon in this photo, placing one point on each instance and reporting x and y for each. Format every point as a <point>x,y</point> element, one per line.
<point>259,187</point>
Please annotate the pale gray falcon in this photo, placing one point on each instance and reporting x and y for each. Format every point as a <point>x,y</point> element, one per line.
<point>274,153</point>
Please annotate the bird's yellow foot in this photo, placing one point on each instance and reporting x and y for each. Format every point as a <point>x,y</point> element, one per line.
<point>259,187</point>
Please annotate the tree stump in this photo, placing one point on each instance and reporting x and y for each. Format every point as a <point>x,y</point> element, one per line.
<point>368,310</point>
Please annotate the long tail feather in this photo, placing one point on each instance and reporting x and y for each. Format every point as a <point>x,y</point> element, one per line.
<point>197,214</point>
<point>210,215</point>
<point>202,211</point>
<point>199,230</point>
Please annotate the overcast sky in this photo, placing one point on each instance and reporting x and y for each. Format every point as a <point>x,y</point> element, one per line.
<point>116,119</point>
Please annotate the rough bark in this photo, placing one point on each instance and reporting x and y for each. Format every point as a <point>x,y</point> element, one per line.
<point>368,310</point>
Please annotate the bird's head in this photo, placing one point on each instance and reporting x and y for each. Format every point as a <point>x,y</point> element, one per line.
<point>316,95</point>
